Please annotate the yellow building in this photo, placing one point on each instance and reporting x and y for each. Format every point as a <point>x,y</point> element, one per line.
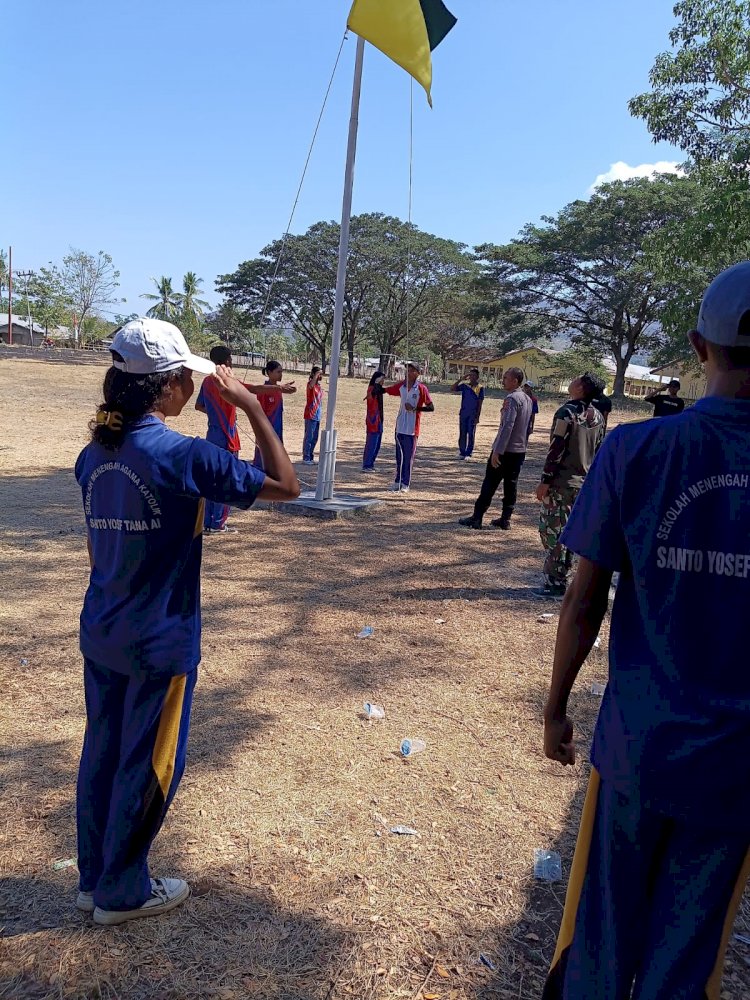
<point>537,363</point>
<point>692,383</point>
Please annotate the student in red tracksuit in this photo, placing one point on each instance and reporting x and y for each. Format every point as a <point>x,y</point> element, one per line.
<point>222,428</point>
<point>373,421</point>
<point>272,403</point>
<point>313,413</point>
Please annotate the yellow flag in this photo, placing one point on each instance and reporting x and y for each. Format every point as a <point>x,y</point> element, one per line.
<point>405,30</point>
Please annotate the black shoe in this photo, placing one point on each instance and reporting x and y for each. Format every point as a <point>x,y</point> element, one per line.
<point>501,522</point>
<point>470,522</point>
<point>550,592</point>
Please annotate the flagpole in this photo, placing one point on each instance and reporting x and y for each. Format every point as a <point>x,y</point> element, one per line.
<point>327,464</point>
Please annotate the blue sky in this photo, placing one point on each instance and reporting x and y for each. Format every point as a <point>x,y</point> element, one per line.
<point>173,135</point>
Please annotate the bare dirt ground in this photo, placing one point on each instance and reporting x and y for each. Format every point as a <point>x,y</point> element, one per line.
<point>282,820</point>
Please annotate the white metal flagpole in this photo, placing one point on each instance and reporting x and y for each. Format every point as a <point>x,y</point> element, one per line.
<point>327,464</point>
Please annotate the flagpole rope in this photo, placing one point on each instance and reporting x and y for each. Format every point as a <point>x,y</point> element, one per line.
<point>299,188</point>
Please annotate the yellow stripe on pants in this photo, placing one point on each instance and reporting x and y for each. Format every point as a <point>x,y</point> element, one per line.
<point>168,733</point>
<point>199,518</point>
<point>578,868</point>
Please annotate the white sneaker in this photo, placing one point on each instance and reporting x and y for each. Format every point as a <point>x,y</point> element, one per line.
<point>85,902</point>
<point>395,487</point>
<point>307,461</point>
<point>404,489</point>
<point>166,894</point>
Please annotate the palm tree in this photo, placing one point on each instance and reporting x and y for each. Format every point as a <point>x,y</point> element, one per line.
<point>166,303</point>
<point>192,307</point>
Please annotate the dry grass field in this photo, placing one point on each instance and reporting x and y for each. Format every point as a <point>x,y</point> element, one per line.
<point>282,821</point>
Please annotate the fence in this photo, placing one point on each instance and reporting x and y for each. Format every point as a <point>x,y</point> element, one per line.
<point>64,355</point>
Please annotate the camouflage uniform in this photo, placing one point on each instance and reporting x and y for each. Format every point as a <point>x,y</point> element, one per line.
<point>559,564</point>
<point>577,432</point>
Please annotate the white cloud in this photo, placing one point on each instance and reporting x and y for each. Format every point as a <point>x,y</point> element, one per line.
<point>622,171</point>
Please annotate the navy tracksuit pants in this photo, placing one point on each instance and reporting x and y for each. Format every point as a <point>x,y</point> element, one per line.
<point>467,428</point>
<point>406,449</point>
<point>650,904</point>
<point>312,430</point>
<point>216,514</point>
<point>132,761</point>
<point>372,449</point>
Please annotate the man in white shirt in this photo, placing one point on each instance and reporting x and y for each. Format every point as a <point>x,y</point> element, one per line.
<point>415,400</point>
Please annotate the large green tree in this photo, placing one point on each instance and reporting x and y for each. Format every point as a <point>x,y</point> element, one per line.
<point>700,100</point>
<point>689,252</point>
<point>700,91</point>
<point>289,284</point>
<point>416,278</point>
<point>585,272</point>
<point>396,279</point>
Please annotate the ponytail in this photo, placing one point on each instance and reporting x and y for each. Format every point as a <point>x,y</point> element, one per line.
<point>127,398</point>
<point>270,366</point>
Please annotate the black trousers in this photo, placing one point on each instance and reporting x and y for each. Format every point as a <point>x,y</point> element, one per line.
<point>507,473</point>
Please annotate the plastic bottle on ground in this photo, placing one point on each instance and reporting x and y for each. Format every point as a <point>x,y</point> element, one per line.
<point>409,747</point>
<point>547,865</point>
<point>373,711</point>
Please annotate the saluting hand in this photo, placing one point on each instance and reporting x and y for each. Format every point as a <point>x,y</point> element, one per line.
<point>232,390</point>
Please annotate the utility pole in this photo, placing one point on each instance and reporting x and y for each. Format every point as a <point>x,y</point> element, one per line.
<point>26,275</point>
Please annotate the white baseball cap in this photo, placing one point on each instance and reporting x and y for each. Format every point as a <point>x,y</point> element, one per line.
<point>725,302</point>
<point>147,346</point>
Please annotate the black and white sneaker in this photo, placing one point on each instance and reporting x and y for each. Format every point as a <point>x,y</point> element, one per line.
<point>166,894</point>
<point>85,902</point>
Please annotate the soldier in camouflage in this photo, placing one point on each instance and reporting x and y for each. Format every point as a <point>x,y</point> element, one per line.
<point>577,432</point>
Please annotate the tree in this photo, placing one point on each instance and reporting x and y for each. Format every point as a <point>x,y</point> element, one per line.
<point>700,100</point>
<point>295,293</point>
<point>414,275</point>
<point>396,276</point>
<point>88,282</point>
<point>167,301</point>
<point>230,325</point>
<point>463,320</point>
<point>51,305</point>
<point>191,289</point>
<point>700,93</point>
<point>688,253</point>
<point>585,271</point>
<point>576,360</point>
